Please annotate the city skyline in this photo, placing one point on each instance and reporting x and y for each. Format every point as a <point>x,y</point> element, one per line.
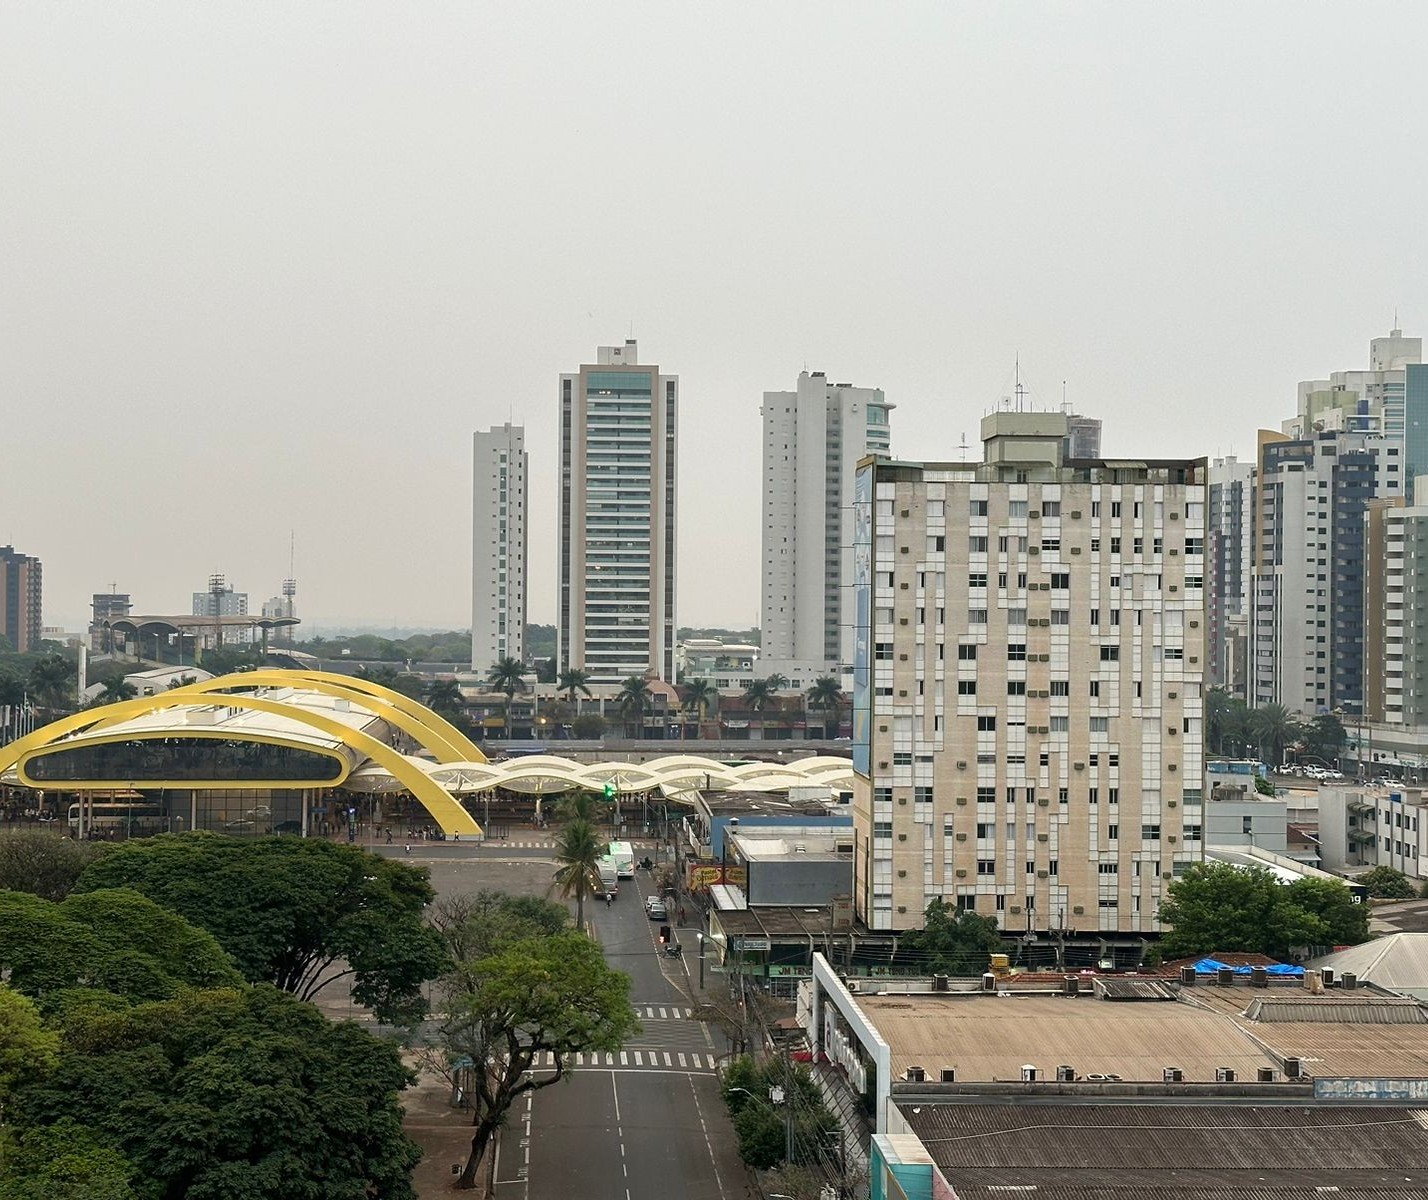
<point>215,221</point>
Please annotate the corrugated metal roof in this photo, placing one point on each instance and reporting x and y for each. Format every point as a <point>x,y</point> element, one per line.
<point>1379,1010</point>
<point>1133,989</point>
<point>1186,1150</point>
<point>1398,961</point>
<point>988,1038</point>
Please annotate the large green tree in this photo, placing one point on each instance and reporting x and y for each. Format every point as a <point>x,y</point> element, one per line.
<point>38,862</point>
<point>952,941</point>
<point>234,1094</point>
<point>1216,908</point>
<point>509,1007</point>
<point>110,941</point>
<point>300,913</point>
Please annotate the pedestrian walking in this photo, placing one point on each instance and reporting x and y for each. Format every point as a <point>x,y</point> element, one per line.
<point>389,837</point>
<point>681,914</point>
<point>409,847</point>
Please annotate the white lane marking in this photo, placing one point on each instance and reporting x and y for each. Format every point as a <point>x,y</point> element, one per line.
<point>639,1059</point>
<point>667,1061</point>
<point>708,1145</point>
<point>681,1061</point>
<point>624,1059</point>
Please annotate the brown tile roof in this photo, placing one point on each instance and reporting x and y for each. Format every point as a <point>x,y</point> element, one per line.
<point>1176,1150</point>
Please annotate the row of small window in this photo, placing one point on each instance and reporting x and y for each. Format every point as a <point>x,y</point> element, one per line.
<point>1060,582</point>
<point>1148,833</point>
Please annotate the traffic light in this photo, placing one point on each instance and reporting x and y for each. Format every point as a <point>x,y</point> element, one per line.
<point>609,790</point>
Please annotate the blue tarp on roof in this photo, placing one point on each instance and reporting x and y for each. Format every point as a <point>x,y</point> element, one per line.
<point>1209,966</point>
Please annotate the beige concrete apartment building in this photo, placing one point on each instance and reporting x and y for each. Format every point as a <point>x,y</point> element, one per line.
<point>1028,683</point>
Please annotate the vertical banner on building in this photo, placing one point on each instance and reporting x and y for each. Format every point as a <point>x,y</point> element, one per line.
<point>863,619</point>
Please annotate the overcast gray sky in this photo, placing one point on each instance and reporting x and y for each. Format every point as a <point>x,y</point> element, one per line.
<point>266,266</point>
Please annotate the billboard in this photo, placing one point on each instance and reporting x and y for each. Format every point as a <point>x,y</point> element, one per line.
<point>862,619</point>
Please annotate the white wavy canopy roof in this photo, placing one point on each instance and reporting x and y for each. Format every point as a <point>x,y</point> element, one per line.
<point>547,773</point>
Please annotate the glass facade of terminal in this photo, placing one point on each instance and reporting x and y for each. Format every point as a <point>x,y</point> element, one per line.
<point>182,759</point>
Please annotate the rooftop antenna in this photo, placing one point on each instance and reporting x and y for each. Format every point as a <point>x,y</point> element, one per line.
<point>1020,387</point>
<point>217,585</point>
<point>962,447</point>
<point>1065,406</point>
<point>289,588</point>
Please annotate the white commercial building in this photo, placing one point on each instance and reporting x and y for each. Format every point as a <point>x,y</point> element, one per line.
<point>813,440</point>
<point>498,560</point>
<point>618,483</point>
<point>1363,827</point>
<point>1027,718</point>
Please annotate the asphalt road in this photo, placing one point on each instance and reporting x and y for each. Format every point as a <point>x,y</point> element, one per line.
<point>643,1123</point>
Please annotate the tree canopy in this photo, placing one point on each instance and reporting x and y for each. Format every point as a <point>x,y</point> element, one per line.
<point>291,911</point>
<point>1216,907</point>
<point>242,1094</point>
<point>38,862</point>
<point>1387,883</point>
<point>110,941</point>
<point>952,942</point>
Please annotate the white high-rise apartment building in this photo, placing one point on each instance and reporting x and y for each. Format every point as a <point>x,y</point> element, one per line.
<point>1028,685</point>
<point>1360,400</point>
<point>498,560</point>
<point>618,455</point>
<point>1307,624</point>
<point>813,439</point>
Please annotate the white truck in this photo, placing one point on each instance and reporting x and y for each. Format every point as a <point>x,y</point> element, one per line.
<point>609,877</point>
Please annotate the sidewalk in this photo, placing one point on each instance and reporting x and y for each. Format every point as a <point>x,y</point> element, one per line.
<point>443,1132</point>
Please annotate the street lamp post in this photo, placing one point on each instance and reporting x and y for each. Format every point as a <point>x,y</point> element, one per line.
<point>700,936</point>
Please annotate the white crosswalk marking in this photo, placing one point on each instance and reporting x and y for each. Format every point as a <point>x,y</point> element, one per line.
<point>682,1063</point>
<point>639,1059</point>
<point>667,1061</point>
<point>624,1059</point>
<point>661,1014</point>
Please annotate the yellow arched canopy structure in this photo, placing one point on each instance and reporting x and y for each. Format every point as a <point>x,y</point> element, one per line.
<point>444,809</point>
<point>430,729</point>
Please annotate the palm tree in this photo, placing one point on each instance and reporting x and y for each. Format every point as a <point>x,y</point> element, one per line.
<point>756,698</point>
<point>578,806</point>
<point>700,698</point>
<point>634,701</point>
<point>1274,727</point>
<point>444,696</point>
<point>579,851</point>
<point>573,680</point>
<point>51,681</point>
<point>115,689</point>
<point>507,676</point>
<point>182,681</point>
<point>777,682</point>
<point>825,694</point>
